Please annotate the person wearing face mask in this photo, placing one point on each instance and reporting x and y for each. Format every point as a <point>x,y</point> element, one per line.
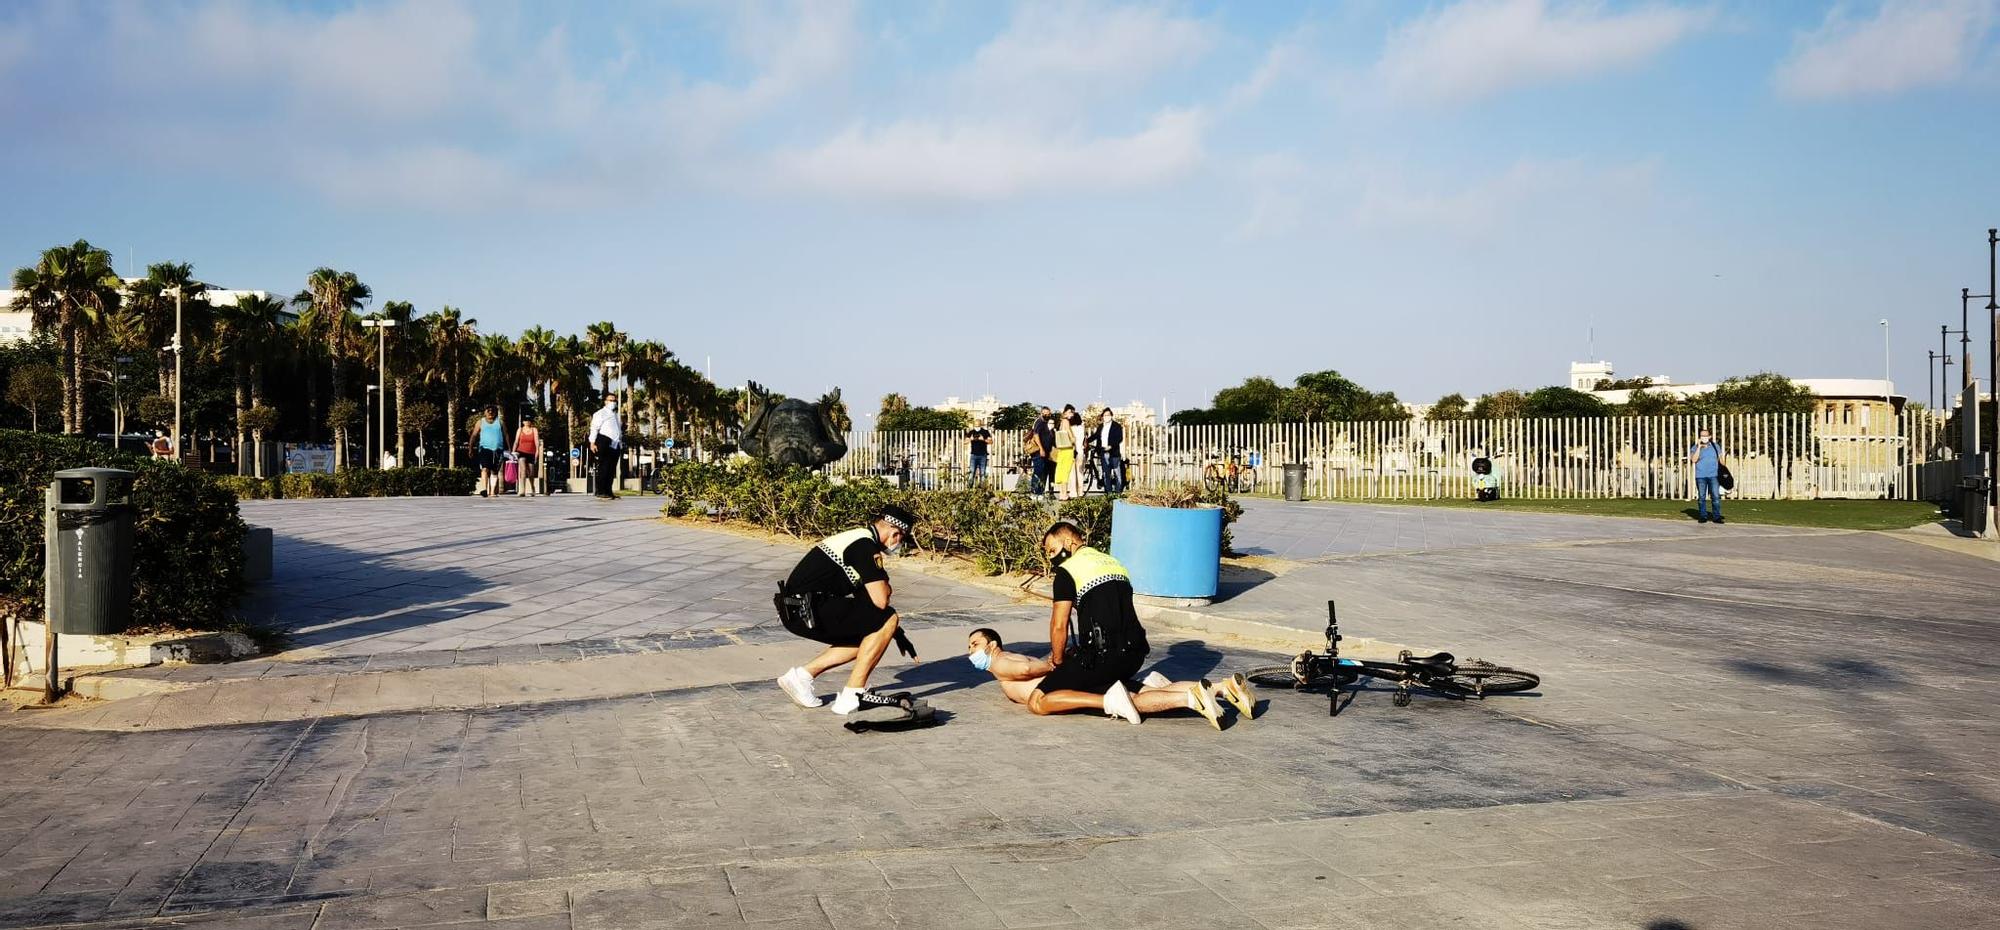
<point>1021,677</point>
<point>838,595</point>
<point>1096,644</point>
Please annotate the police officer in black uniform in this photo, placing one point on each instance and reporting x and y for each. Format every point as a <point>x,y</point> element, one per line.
<point>839,595</point>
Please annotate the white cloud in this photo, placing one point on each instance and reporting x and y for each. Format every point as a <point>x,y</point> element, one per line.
<point>932,162</point>
<point>1084,49</point>
<point>1907,44</point>
<point>1478,48</point>
<point>1281,187</point>
<point>1529,189</point>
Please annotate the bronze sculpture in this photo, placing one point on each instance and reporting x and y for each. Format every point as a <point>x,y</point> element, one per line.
<point>793,432</point>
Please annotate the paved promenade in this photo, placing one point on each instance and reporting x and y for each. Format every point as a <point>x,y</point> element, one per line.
<point>1754,730</point>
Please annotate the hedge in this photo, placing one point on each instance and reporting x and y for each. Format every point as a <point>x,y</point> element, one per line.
<point>361,482</point>
<point>1001,532</point>
<point>187,561</point>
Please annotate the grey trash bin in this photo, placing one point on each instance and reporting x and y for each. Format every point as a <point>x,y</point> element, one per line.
<point>1295,482</point>
<point>89,568</point>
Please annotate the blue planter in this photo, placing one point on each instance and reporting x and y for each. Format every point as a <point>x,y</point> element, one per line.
<point>1169,551</point>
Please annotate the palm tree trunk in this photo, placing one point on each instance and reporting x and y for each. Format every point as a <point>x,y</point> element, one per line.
<point>242,393</point>
<point>451,426</point>
<point>75,380</point>
<point>334,396</point>
<point>401,382</point>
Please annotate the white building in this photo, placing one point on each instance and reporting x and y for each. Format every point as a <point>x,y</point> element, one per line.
<point>1137,413</point>
<point>1857,404</point>
<point>980,411</point>
<point>17,326</point>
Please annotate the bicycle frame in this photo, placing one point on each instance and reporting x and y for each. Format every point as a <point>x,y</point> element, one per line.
<point>1404,673</point>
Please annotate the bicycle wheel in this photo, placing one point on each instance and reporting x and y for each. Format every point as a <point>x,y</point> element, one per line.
<point>1273,676</point>
<point>1483,678</point>
<point>1246,481</point>
<point>1214,476</point>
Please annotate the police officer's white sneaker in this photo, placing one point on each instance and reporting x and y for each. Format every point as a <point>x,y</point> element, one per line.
<point>848,702</point>
<point>798,685</point>
<point>1118,703</point>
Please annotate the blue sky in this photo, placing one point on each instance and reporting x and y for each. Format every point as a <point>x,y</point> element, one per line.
<point>1161,198</point>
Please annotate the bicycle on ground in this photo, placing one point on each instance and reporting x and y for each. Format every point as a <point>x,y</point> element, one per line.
<point>1440,672</point>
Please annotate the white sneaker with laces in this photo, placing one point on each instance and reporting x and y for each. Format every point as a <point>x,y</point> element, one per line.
<point>1154,679</point>
<point>848,702</point>
<point>798,685</point>
<point>1118,703</point>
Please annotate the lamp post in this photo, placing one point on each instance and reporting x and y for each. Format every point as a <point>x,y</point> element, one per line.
<point>381,326</point>
<point>372,398</point>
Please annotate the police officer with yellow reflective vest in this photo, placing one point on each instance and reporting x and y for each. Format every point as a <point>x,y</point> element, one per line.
<point>839,595</point>
<point>1097,645</point>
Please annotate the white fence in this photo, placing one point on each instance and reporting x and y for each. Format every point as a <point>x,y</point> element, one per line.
<point>1771,456</point>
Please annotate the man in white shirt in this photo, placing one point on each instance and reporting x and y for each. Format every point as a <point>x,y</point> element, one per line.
<point>607,437</point>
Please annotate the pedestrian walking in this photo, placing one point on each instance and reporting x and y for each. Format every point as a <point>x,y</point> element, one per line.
<point>1069,441</point>
<point>528,446</point>
<point>607,439</point>
<point>1044,444</point>
<point>488,440</point>
<point>1706,455</point>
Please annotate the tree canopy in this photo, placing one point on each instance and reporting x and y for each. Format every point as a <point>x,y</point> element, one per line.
<point>1318,396</point>
<point>919,418</point>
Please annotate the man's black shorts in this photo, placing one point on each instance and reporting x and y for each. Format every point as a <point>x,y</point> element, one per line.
<point>1094,674</point>
<point>841,621</point>
<point>488,459</point>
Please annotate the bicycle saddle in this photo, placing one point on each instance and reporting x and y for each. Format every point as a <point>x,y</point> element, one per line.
<point>1437,659</point>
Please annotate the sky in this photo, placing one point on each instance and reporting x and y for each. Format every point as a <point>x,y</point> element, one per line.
<point>1057,201</point>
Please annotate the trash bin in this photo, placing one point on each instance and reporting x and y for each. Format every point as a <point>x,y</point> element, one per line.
<point>89,566</point>
<point>1295,481</point>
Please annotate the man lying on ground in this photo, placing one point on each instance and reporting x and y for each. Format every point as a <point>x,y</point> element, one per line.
<point>1021,677</point>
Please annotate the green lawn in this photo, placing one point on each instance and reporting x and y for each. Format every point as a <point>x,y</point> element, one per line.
<point>1832,514</point>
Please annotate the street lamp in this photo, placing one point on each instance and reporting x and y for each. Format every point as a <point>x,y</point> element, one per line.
<point>381,328</point>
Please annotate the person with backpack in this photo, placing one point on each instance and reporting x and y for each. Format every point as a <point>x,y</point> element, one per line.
<point>1706,456</point>
<point>1096,645</point>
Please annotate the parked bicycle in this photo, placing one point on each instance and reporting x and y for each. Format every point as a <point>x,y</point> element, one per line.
<point>1238,475</point>
<point>1440,672</point>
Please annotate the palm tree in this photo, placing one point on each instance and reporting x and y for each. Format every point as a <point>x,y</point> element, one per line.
<point>407,348</point>
<point>74,289</point>
<point>453,340</point>
<point>330,300</point>
<point>152,297</point>
<point>605,343</point>
<point>537,353</point>
<point>569,385</point>
<point>257,329</point>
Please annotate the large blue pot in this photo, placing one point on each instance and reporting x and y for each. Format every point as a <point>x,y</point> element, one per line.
<point>1169,551</point>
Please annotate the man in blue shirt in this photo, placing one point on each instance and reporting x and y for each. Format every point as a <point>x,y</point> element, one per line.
<point>1707,458</point>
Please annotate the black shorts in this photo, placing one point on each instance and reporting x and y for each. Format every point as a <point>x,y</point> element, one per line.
<point>487,459</point>
<point>841,621</point>
<point>1094,674</point>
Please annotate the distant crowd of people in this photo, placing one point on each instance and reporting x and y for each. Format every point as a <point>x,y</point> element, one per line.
<point>1059,449</point>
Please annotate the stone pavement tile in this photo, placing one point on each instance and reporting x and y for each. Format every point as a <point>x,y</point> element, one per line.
<point>914,908</point>
<point>652,906</point>
<point>1308,882</point>
<point>767,879</point>
<point>387,913</point>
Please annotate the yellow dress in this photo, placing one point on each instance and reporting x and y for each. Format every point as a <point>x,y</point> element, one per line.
<point>1065,459</point>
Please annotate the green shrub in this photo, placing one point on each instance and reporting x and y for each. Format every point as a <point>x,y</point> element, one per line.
<point>248,488</point>
<point>1000,532</point>
<point>187,560</point>
<point>305,485</point>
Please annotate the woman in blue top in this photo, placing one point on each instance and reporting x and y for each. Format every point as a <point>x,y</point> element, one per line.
<point>1707,458</point>
<point>489,440</point>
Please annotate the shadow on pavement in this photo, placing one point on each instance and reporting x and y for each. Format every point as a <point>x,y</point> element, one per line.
<point>323,594</point>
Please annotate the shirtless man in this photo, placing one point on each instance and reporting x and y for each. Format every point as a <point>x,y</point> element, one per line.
<point>1021,677</point>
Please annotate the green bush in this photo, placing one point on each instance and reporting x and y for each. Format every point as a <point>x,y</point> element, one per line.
<point>385,482</point>
<point>247,488</point>
<point>305,485</point>
<point>1000,532</point>
<point>187,560</point>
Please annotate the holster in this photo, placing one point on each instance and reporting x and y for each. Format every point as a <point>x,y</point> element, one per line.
<point>794,609</point>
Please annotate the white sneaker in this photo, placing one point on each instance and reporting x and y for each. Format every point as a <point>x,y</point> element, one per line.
<point>848,702</point>
<point>1118,703</point>
<point>1154,679</point>
<point>799,687</point>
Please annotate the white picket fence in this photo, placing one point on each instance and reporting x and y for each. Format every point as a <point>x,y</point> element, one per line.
<point>1771,455</point>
